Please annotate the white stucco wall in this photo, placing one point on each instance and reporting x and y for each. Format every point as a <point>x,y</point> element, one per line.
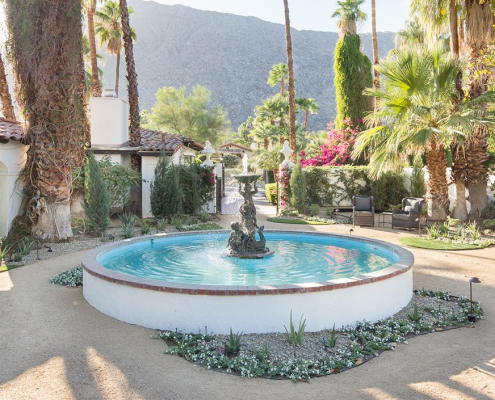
<point>109,121</point>
<point>12,159</point>
<point>249,314</point>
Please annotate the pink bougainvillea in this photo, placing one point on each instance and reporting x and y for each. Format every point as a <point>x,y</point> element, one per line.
<point>337,148</point>
<point>283,177</point>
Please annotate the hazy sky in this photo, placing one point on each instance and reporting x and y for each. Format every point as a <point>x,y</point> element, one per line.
<point>306,14</point>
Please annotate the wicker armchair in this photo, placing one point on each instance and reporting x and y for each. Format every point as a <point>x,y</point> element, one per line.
<point>363,211</point>
<point>410,214</point>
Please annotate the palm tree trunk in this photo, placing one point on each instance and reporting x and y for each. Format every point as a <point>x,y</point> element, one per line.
<point>437,190</point>
<point>454,38</point>
<point>95,79</point>
<point>459,174</point>
<point>50,72</point>
<point>306,117</point>
<point>282,86</point>
<point>266,142</point>
<point>460,36</point>
<point>376,58</point>
<point>117,74</point>
<point>5,98</point>
<point>479,32</point>
<point>134,117</point>
<point>292,96</point>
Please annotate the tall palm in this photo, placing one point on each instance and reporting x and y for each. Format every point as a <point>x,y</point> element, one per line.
<point>415,115</point>
<point>90,9</point>
<point>308,105</point>
<point>349,15</point>
<point>109,30</point>
<point>376,57</point>
<point>5,98</point>
<point>132,87</point>
<point>88,72</point>
<point>292,91</point>
<point>273,111</point>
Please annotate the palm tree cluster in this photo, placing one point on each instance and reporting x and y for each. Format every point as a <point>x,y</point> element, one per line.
<point>416,114</point>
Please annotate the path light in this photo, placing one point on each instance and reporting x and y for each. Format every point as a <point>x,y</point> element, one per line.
<point>111,236</point>
<point>350,231</point>
<point>49,248</point>
<point>472,317</point>
<point>38,237</point>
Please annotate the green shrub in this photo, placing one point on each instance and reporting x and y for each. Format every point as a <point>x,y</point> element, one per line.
<point>298,189</point>
<point>294,337</point>
<point>329,211</point>
<point>314,209</point>
<point>489,211</point>
<point>96,196</point>
<point>418,183</point>
<point>161,225</point>
<point>233,347</point>
<point>271,192</point>
<point>489,223</point>
<point>70,277</point>
<point>145,226</point>
<point>388,190</point>
<point>230,161</point>
<point>317,185</point>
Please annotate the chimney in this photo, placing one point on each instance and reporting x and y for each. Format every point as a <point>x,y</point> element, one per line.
<point>109,121</point>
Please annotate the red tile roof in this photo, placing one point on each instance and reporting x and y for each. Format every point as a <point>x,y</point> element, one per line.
<point>11,130</point>
<point>162,141</point>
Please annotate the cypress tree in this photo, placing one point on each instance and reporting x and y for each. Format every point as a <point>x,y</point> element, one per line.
<point>166,192</point>
<point>96,196</point>
<point>298,188</point>
<point>352,75</point>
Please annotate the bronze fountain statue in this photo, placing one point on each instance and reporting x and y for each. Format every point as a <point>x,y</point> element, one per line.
<point>242,241</point>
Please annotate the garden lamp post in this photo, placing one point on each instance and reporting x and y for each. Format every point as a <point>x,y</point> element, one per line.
<point>472,317</point>
<point>38,236</point>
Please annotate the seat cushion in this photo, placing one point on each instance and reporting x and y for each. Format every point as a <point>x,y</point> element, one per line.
<point>362,203</point>
<point>404,217</point>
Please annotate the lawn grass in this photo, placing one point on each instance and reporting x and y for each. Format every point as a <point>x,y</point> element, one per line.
<point>9,267</point>
<point>430,244</point>
<point>295,221</point>
<point>208,226</point>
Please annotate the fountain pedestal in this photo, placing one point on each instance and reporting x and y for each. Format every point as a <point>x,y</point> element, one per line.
<point>242,241</point>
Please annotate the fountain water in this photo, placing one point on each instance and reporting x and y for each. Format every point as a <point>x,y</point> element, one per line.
<point>242,241</point>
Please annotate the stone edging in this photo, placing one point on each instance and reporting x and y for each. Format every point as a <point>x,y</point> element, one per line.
<point>93,267</point>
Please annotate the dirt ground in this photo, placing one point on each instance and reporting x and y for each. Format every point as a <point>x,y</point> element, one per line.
<point>56,346</point>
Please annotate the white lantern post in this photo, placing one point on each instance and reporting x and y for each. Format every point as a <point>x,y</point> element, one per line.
<point>208,151</point>
<point>286,151</point>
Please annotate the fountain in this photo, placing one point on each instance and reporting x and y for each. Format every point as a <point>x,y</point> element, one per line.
<point>242,241</point>
<point>187,280</point>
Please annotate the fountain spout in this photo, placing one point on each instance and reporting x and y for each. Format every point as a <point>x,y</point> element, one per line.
<point>245,164</point>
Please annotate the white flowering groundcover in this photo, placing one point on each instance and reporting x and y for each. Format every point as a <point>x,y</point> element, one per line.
<point>366,340</point>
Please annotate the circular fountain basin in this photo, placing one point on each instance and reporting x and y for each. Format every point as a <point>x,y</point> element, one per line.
<point>185,281</point>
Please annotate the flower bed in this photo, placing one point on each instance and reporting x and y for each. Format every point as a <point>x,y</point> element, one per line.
<point>271,355</point>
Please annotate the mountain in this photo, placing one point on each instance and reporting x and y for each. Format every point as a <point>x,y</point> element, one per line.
<point>231,55</point>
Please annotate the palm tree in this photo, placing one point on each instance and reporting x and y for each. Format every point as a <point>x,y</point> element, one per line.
<point>376,57</point>
<point>88,72</point>
<point>132,87</point>
<point>308,106</point>
<point>349,15</point>
<point>90,8</point>
<point>109,30</point>
<point>474,33</point>
<point>45,48</point>
<point>412,36</point>
<point>415,115</point>
<point>5,98</point>
<point>278,74</point>
<point>292,92</point>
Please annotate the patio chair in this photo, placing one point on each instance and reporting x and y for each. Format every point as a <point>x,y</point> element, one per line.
<point>363,211</point>
<point>410,214</point>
